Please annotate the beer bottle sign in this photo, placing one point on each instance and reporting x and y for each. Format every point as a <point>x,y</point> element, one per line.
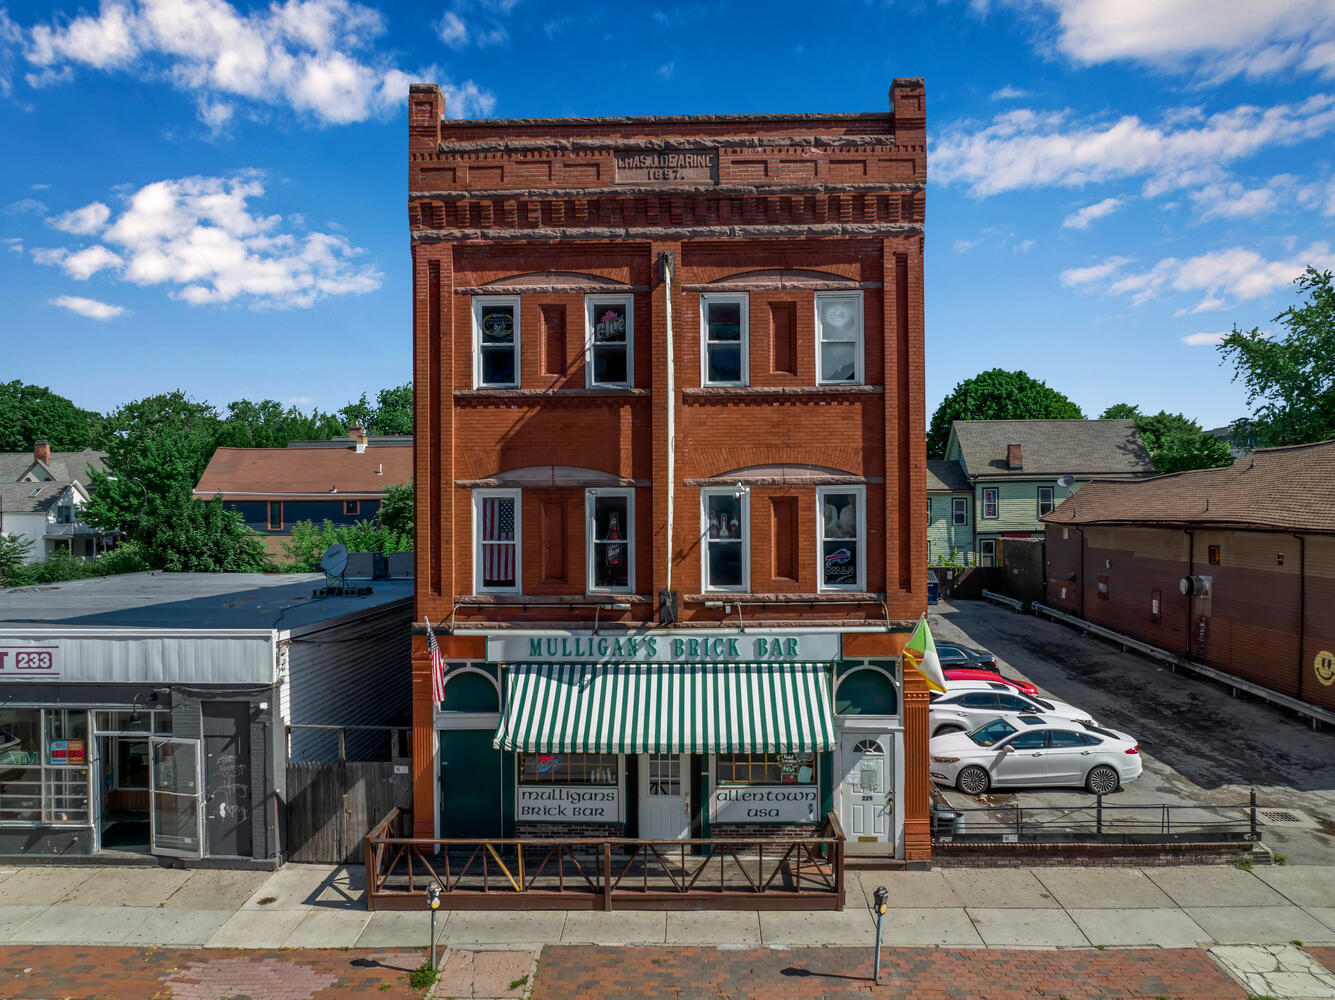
<point>614,553</point>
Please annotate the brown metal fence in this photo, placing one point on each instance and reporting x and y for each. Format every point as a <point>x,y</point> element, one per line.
<point>604,873</point>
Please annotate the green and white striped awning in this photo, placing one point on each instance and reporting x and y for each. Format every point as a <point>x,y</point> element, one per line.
<point>666,708</point>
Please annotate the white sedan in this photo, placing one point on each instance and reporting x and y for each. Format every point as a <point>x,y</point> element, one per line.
<point>1031,751</point>
<point>966,705</point>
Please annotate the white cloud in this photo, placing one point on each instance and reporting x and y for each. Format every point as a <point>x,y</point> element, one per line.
<point>83,221</point>
<point>1095,272</point>
<point>1216,39</point>
<point>453,31</point>
<point>1024,148</point>
<point>1009,93</point>
<point>964,246</point>
<point>1083,218</point>
<point>666,70</point>
<point>199,237</point>
<point>14,243</point>
<point>310,55</point>
<point>1204,339</point>
<point>1237,273</point>
<point>11,37</point>
<point>476,22</point>
<point>91,308</point>
<point>25,206</point>
<point>1233,200</point>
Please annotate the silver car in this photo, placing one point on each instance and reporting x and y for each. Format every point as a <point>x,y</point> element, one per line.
<point>966,705</point>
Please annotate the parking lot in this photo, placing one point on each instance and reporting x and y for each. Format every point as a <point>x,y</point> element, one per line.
<point>1200,745</point>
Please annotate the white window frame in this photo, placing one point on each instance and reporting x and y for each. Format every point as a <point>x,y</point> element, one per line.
<point>745,507</point>
<point>961,516</point>
<point>745,300</point>
<point>591,302</point>
<point>983,545</point>
<point>478,497</point>
<point>590,523</point>
<point>861,493</point>
<point>494,300</point>
<point>859,341</point>
<point>1052,500</point>
<point>983,515</point>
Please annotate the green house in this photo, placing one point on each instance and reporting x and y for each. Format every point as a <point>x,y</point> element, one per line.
<point>999,477</point>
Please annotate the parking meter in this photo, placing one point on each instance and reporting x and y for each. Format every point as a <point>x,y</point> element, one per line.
<point>433,902</point>
<point>882,898</point>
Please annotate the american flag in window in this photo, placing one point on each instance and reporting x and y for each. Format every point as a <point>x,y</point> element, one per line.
<point>498,542</point>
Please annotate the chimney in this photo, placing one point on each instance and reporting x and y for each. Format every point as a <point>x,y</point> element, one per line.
<point>357,433</point>
<point>41,451</point>
<point>1014,460</point>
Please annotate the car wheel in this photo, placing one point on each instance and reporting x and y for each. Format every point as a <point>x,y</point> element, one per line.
<point>1103,780</point>
<point>973,780</point>
<point>947,729</point>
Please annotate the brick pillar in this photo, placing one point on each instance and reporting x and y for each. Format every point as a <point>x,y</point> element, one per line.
<point>917,792</point>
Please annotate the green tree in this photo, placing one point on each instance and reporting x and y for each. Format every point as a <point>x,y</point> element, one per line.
<point>13,553</point>
<point>156,447</point>
<point>31,413</point>
<point>1290,380</point>
<point>1176,443</point>
<point>181,533</point>
<point>997,395</point>
<point>267,424</point>
<point>1120,411</point>
<point>396,513</point>
<point>307,542</point>
<point>392,412</point>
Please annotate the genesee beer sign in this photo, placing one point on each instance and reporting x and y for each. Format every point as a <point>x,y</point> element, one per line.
<point>665,165</point>
<point>664,647</point>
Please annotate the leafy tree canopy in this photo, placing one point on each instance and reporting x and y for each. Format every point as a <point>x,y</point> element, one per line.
<point>31,413</point>
<point>997,395</point>
<point>183,534</point>
<point>392,412</point>
<point>1290,380</point>
<point>308,541</point>
<point>396,514</point>
<point>1120,411</point>
<point>267,424</point>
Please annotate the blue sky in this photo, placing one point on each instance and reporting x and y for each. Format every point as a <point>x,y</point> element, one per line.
<point>211,196</point>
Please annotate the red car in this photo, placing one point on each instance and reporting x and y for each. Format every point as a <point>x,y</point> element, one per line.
<point>966,674</point>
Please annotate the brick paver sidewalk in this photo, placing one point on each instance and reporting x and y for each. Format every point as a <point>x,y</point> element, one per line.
<point>567,972</point>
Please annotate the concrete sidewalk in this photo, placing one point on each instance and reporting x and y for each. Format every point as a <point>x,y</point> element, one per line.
<point>316,906</point>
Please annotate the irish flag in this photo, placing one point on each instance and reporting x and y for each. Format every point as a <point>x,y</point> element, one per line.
<point>920,654</point>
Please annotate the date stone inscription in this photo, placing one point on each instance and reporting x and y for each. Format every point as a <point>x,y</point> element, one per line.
<point>665,166</point>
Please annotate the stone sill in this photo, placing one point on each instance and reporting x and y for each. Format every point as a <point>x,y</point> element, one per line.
<point>823,597</point>
<point>729,391</point>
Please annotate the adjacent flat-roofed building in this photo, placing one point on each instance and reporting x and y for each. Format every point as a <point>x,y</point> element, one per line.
<point>1231,567</point>
<point>669,453</point>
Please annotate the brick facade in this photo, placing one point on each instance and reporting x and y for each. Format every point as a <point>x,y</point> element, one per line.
<point>663,210</point>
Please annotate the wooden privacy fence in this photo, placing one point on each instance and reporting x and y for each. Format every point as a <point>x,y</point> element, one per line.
<point>330,804</point>
<point>604,873</point>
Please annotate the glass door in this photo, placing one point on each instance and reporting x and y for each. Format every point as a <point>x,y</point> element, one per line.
<point>174,778</point>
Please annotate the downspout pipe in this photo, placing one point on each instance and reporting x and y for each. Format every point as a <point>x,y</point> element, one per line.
<point>1191,571</point>
<point>1302,606</point>
<point>666,258</point>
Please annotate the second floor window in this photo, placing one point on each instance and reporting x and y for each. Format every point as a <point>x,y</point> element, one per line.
<point>496,554</point>
<point>610,340</point>
<point>611,539</point>
<point>1044,500</point>
<point>495,342</point>
<point>990,512</point>
<point>65,514</point>
<point>842,551</point>
<point>839,338</point>
<point>727,547</point>
<point>959,510</point>
<point>724,347</point>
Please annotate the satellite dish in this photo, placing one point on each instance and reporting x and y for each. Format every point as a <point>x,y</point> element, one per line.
<point>334,561</point>
<point>1066,482</point>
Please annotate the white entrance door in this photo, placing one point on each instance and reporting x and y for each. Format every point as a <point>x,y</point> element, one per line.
<point>665,812</point>
<point>175,779</point>
<point>865,800</point>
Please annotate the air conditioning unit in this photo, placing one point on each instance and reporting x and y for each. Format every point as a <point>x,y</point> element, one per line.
<point>1194,586</point>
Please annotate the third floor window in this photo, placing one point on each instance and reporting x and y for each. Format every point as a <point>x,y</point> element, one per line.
<point>609,340</point>
<point>839,338</point>
<point>724,346</point>
<point>495,342</point>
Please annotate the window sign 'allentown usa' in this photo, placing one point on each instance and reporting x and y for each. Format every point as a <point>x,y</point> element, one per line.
<point>665,647</point>
<point>764,804</point>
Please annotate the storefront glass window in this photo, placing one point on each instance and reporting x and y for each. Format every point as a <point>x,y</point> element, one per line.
<point>567,769</point>
<point>766,769</point>
<point>43,765</point>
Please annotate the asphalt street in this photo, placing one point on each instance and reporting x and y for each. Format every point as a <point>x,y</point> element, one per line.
<point>1200,744</point>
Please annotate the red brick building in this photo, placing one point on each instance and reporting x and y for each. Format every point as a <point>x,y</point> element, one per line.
<point>669,431</point>
<point>1233,567</point>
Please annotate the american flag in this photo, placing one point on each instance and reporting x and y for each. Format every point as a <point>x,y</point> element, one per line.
<point>498,536</point>
<point>437,665</point>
